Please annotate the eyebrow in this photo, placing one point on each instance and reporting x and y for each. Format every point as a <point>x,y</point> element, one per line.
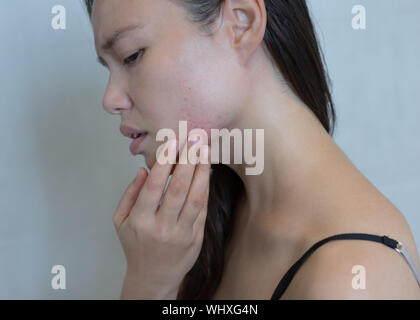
<point>110,42</point>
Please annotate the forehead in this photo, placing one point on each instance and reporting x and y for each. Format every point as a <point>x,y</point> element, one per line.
<point>111,15</point>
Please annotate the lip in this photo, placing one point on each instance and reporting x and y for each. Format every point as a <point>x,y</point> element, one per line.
<point>135,146</point>
<point>129,131</point>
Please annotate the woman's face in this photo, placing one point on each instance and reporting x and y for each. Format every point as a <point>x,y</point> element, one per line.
<point>180,75</point>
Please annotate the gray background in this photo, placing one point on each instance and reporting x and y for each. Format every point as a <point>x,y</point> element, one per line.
<point>64,164</point>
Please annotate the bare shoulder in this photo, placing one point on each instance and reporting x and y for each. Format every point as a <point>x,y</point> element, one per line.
<point>360,269</point>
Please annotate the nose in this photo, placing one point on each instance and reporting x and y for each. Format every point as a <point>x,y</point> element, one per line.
<point>115,100</point>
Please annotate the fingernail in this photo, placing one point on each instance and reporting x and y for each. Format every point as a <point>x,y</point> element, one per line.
<point>172,144</point>
<point>137,176</point>
<point>195,138</point>
<point>204,156</point>
<point>168,145</point>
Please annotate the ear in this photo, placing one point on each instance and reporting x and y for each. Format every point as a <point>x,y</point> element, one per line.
<point>244,22</point>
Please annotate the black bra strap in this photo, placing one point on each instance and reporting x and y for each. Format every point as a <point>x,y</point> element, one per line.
<point>284,283</point>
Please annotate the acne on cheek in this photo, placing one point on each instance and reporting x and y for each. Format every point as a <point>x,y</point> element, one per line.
<point>195,115</point>
<point>201,114</point>
<point>199,118</point>
<point>194,119</point>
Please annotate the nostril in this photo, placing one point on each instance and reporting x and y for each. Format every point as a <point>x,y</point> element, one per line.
<point>115,110</point>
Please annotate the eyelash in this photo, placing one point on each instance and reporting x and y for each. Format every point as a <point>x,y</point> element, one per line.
<point>133,58</point>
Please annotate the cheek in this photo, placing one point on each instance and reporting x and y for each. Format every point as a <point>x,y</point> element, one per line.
<point>205,99</point>
<point>196,112</point>
<point>175,96</point>
<point>183,83</point>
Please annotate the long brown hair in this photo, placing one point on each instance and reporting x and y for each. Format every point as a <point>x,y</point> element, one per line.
<point>292,43</point>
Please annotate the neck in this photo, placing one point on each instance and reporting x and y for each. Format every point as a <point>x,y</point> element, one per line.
<point>303,167</point>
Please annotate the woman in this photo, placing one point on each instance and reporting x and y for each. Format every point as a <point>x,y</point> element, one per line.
<point>242,64</point>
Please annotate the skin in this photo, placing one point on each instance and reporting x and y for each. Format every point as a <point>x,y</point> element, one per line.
<point>166,84</point>
<point>309,189</point>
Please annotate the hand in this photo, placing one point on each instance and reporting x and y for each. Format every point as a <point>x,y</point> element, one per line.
<point>162,242</point>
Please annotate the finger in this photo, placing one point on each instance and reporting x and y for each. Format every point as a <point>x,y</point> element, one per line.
<point>199,223</point>
<point>198,192</point>
<point>178,187</point>
<point>129,198</point>
<point>149,198</point>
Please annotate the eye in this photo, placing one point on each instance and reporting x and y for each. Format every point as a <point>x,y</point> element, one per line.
<point>131,59</point>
